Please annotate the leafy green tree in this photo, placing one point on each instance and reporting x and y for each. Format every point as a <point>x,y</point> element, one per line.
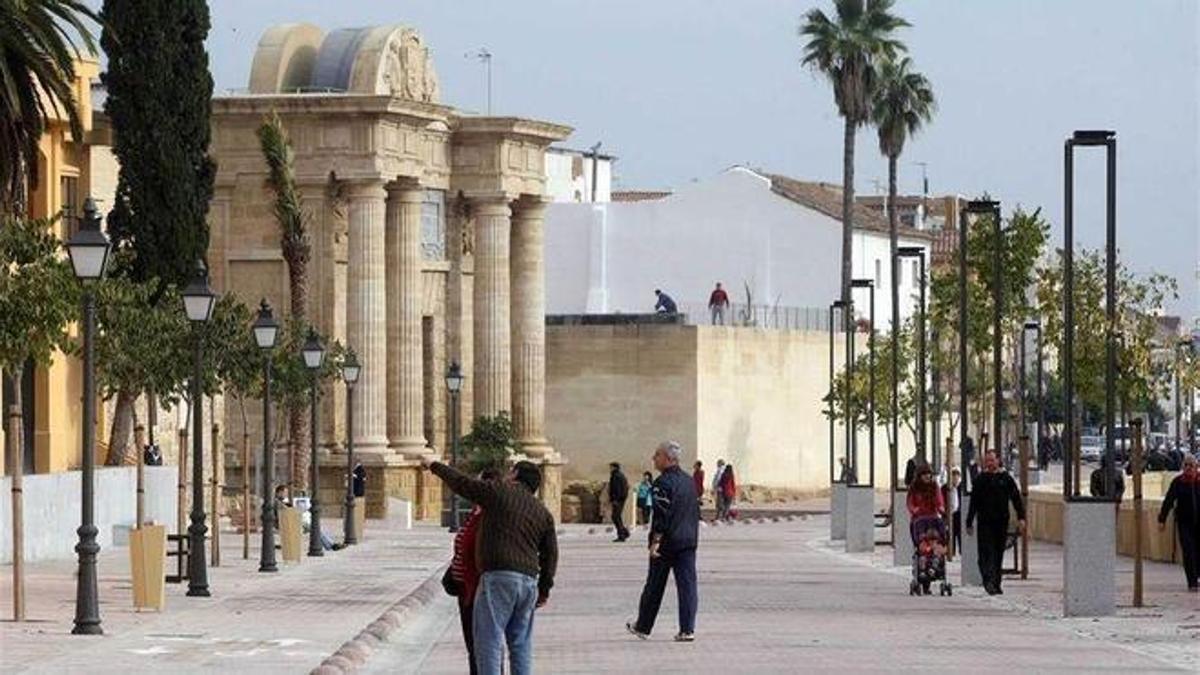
<point>491,443</point>
<point>159,101</point>
<point>847,48</point>
<point>37,54</point>
<point>38,299</point>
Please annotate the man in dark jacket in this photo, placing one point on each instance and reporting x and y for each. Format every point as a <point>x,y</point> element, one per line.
<point>518,554</point>
<point>674,533</point>
<point>991,493</point>
<point>1099,486</point>
<point>618,492</point>
<point>1184,497</point>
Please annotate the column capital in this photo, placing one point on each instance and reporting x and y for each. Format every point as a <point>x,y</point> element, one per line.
<point>490,203</point>
<point>531,206</point>
<point>406,191</point>
<point>365,189</point>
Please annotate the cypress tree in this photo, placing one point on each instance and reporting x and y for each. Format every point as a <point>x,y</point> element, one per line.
<point>159,101</point>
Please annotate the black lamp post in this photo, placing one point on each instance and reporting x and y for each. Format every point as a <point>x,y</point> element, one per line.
<point>869,284</point>
<point>198,301</point>
<point>1107,140</point>
<point>837,305</point>
<point>1178,400</point>
<point>266,334</point>
<point>1190,343</point>
<point>1036,328</point>
<point>350,370</point>
<point>314,357</point>
<point>88,249</point>
<point>454,382</point>
<point>919,253</point>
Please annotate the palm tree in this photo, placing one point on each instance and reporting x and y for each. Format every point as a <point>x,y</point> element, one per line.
<point>37,77</point>
<point>903,101</point>
<point>847,49</point>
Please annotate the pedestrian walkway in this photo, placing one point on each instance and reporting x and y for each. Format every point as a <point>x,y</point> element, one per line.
<point>776,597</point>
<point>286,622</point>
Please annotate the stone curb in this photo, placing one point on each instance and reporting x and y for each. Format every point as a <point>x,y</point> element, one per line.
<point>355,652</point>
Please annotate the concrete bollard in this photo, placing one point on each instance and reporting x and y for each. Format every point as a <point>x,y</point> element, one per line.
<point>860,519</point>
<point>902,549</point>
<point>837,512</point>
<point>968,557</point>
<point>1089,559</point>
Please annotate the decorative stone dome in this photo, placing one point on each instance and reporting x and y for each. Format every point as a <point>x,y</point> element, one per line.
<point>300,58</point>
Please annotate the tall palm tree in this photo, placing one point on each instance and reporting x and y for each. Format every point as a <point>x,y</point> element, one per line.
<point>903,102</point>
<point>847,49</point>
<point>38,48</point>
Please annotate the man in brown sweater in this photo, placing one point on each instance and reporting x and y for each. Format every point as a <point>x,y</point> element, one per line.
<point>518,554</point>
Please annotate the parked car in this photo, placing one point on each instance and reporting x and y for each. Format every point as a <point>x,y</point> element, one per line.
<point>1091,448</point>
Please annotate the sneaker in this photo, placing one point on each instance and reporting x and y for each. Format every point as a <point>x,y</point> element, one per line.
<point>633,629</point>
<point>685,637</point>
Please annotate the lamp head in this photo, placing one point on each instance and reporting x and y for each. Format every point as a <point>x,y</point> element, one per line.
<point>351,368</point>
<point>88,248</point>
<point>198,297</point>
<point>313,351</point>
<point>266,329</point>
<point>454,378</point>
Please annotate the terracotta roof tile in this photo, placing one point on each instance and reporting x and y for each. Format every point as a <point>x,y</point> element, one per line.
<point>826,198</point>
<point>639,195</point>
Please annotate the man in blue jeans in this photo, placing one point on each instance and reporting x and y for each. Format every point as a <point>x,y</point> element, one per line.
<point>518,554</point>
<point>674,532</point>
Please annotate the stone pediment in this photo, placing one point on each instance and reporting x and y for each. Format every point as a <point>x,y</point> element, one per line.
<point>381,60</point>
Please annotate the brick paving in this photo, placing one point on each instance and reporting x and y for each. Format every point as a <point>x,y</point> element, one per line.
<point>776,597</point>
<point>279,623</point>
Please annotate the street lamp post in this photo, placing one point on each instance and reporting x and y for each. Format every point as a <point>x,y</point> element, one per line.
<point>266,334</point>
<point>833,308</point>
<point>869,284</point>
<point>454,382</point>
<point>919,253</point>
<point>198,301</point>
<point>350,370</point>
<point>88,249</point>
<point>1036,327</point>
<point>314,357</point>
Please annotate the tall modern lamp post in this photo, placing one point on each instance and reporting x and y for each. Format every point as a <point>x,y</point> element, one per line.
<point>314,357</point>
<point>918,252</point>
<point>833,309</point>
<point>869,284</point>
<point>88,249</point>
<point>350,370</point>
<point>266,335</point>
<point>454,382</point>
<point>1036,328</point>
<point>198,301</point>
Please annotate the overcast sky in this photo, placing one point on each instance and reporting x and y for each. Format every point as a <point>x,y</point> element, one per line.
<point>680,89</point>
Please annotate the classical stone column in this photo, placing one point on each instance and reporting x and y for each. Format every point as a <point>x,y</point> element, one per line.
<point>405,376</point>
<point>528,305</point>
<point>366,312</point>
<point>493,368</point>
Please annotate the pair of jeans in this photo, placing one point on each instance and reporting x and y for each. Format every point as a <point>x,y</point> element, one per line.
<point>618,519</point>
<point>683,565</point>
<point>991,537</point>
<point>718,315</point>
<point>504,605</point>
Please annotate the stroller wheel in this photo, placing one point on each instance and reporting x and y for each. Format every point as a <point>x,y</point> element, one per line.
<point>925,589</point>
<point>912,588</point>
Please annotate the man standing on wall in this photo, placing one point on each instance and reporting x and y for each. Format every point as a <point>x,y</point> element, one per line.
<point>991,493</point>
<point>674,534</point>
<point>618,492</point>
<point>718,302</point>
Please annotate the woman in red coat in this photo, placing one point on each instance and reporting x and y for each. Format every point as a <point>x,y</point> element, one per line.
<point>924,498</point>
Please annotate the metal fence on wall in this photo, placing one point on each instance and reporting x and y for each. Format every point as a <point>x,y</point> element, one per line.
<point>773,317</point>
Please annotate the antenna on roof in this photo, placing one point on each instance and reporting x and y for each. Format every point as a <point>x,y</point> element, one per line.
<point>484,56</point>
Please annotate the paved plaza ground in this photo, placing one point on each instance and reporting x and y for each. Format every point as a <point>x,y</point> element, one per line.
<point>775,597</point>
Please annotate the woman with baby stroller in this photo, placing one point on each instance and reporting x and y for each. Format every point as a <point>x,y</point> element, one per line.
<point>927,512</point>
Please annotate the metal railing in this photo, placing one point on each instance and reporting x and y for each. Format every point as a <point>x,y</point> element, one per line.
<point>773,317</point>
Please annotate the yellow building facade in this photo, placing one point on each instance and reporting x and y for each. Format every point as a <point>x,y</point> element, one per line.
<point>69,170</point>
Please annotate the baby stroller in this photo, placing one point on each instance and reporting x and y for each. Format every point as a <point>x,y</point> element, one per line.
<point>929,557</point>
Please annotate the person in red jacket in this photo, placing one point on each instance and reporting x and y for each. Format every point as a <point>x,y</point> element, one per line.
<point>924,498</point>
<point>464,568</point>
<point>728,487</point>
<point>698,479</point>
<point>718,302</point>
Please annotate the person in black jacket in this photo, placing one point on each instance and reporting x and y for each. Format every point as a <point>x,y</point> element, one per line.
<point>618,492</point>
<point>991,493</point>
<point>1184,497</point>
<point>674,533</point>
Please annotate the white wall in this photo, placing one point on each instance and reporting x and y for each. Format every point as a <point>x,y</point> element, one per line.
<point>52,507</point>
<point>731,228</point>
<point>569,177</point>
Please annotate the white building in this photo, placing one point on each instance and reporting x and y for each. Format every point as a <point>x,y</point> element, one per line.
<point>569,175</point>
<point>775,236</point>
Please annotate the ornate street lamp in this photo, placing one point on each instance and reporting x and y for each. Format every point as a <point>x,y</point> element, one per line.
<point>919,253</point>
<point>266,335</point>
<point>869,284</point>
<point>314,357</point>
<point>88,249</point>
<point>350,371</point>
<point>454,382</point>
<point>198,301</point>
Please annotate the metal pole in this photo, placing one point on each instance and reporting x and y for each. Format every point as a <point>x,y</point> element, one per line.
<point>1178,401</point>
<point>181,443</point>
<point>17,459</point>
<point>851,431</point>
<point>87,597</point>
<point>215,541</point>
<point>266,561</point>
<point>997,337</point>
<point>1138,506</point>
<point>1068,361</point>
<point>1021,360</point>
<point>922,412</point>
<point>315,549</point>
<point>871,392</point>
<point>454,421</point>
<point>962,351</point>
<point>197,569</point>
<point>1024,474</point>
<point>832,477</point>
<point>139,439</point>
<point>936,395</point>
<point>348,534</point>
<point>1041,392</point>
<point>1110,295</point>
